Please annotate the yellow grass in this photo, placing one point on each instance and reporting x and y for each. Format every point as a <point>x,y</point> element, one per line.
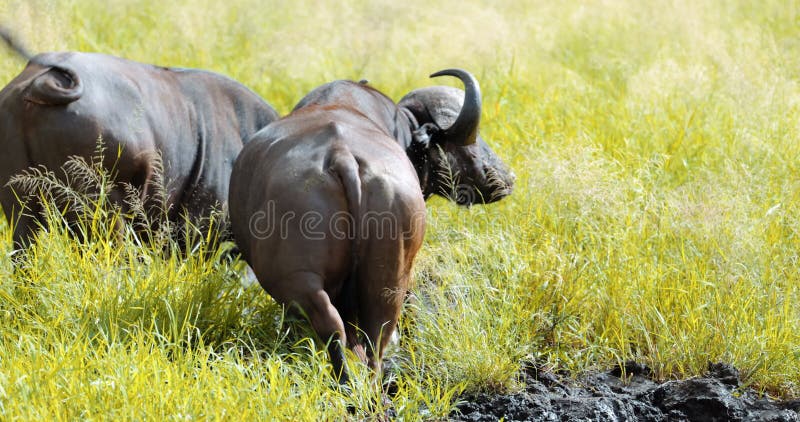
<point>656,215</point>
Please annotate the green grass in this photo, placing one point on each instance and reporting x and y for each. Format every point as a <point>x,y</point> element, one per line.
<point>656,215</point>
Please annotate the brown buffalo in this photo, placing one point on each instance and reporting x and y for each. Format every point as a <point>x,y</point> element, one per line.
<point>61,103</point>
<point>327,204</point>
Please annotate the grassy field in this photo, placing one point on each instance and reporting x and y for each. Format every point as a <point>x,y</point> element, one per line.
<point>656,214</point>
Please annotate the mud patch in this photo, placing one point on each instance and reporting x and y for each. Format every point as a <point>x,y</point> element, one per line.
<point>628,395</point>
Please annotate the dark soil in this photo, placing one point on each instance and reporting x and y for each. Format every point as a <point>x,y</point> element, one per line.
<point>629,395</point>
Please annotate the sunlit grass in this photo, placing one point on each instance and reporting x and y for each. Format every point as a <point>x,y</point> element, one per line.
<point>656,214</point>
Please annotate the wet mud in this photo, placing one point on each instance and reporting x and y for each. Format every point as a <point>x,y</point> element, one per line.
<point>628,394</point>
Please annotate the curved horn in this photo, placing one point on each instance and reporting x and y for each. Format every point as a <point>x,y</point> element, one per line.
<point>465,129</point>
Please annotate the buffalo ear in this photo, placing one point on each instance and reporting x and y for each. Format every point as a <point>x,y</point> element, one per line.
<point>421,137</point>
<point>418,152</point>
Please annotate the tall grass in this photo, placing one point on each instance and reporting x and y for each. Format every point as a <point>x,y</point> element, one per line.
<point>656,213</point>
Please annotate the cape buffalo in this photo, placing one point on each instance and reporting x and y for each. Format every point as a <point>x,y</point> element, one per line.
<point>327,204</point>
<point>63,102</point>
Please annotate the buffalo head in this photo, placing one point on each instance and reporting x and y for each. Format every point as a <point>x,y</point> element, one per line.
<point>447,150</point>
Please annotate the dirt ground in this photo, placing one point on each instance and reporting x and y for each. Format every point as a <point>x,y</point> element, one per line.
<point>607,396</point>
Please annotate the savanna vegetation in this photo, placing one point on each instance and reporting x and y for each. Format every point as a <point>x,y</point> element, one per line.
<point>656,214</point>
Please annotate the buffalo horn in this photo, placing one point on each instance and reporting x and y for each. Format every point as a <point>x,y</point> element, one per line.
<point>465,129</point>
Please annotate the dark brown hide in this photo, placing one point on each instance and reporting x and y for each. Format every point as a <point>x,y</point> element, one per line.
<point>327,210</point>
<point>62,102</point>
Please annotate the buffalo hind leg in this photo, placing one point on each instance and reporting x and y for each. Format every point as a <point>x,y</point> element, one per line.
<point>324,318</point>
<point>379,315</point>
<point>353,342</point>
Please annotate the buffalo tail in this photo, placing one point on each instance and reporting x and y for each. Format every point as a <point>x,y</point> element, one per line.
<point>345,166</point>
<point>14,44</point>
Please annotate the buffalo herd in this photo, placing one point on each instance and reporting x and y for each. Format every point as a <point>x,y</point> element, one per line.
<point>326,205</point>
